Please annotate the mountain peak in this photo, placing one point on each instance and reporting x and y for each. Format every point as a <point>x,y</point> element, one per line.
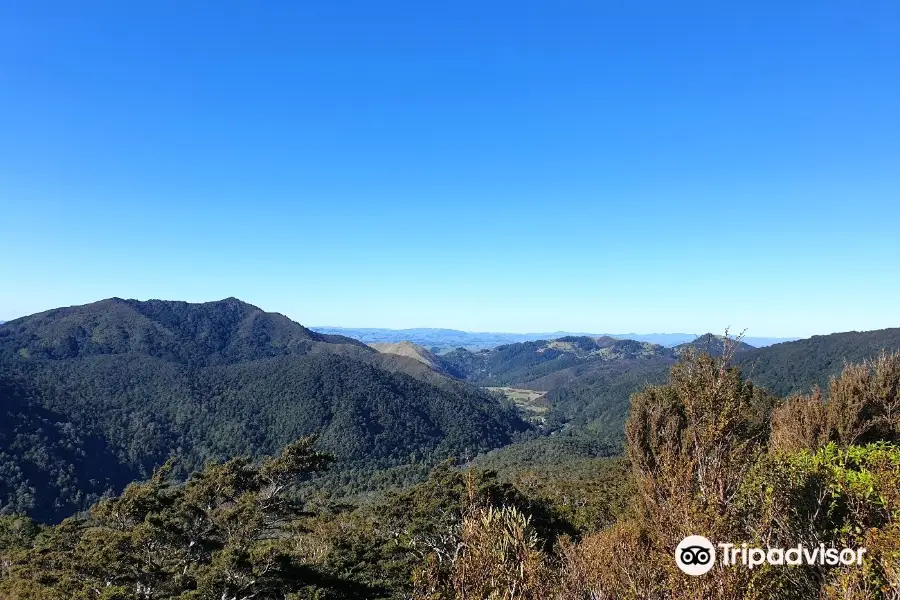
<point>217,332</point>
<point>715,344</point>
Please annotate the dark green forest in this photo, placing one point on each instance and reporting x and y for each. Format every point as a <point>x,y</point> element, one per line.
<point>589,382</point>
<point>97,396</point>
<point>706,451</point>
<point>130,384</point>
<point>797,367</point>
<point>525,364</point>
<point>170,450</point>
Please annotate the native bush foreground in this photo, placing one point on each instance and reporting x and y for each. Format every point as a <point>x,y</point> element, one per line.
<point>707,453</point>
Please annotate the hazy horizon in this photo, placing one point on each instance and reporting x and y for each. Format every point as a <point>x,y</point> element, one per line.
<point>536,332</point>
<point>572,331</point>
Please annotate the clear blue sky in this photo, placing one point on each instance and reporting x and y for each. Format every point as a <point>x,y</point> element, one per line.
<point>507,166</point>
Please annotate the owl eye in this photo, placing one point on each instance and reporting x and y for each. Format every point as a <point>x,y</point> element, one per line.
<point>695,555</point>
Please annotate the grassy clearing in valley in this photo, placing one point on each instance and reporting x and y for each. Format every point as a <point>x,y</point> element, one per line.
<point>528,400</point>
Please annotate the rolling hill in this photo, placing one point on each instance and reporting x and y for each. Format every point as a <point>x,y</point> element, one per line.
<point>545,364</point>
<point>714,345</point>
<point>599,398</point>
<point>415,352</point>
<point>445,340</point>
<point>141,381</point>
<point>94,396</point>
<point>795,367</point>
<point>589,381</point>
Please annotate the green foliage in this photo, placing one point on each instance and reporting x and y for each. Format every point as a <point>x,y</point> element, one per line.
<point>863,405</point>
<point>16,532</point>
<point>797,367</point>
<point>130,383</point>
<point>545,364</point>
<point>47,464</point>
<point>94,397</point>
<point>385,543</point>
<point>601,399</point>
<point>549,452</point>
<point>700,458</point>
<point>837,496</point>
<point>220,535</point>
<point>587,495</point>
<point>498,557</point>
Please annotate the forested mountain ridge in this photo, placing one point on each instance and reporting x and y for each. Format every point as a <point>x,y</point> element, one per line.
<point>557,520</point>
<point>600,398</point>
<point>446,340</point>
<point>525,364</point>
<point>589,381</point>
<point>547,364</point>
<point>219,332</point>
<point>98,395</point>
<point>795,367</point>
<point>146,380</point>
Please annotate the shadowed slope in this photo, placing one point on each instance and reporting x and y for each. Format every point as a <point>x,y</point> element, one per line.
<point>214,380</point>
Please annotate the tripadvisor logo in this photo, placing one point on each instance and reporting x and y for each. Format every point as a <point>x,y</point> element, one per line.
<point>696,555</point>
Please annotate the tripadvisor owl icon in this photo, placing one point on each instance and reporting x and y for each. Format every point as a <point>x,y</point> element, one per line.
<point>695,555</point>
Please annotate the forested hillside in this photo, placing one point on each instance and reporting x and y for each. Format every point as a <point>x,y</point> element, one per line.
<point>533,365</point>
<point>706,452</point>
<point>192,334</point>
<point>795,367</point>
<point>600,396</point>
<point>48,465</point>
<point>589,381</point>
<point>446,340</point>
<point>99,395</point>
<point>142,381</point>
